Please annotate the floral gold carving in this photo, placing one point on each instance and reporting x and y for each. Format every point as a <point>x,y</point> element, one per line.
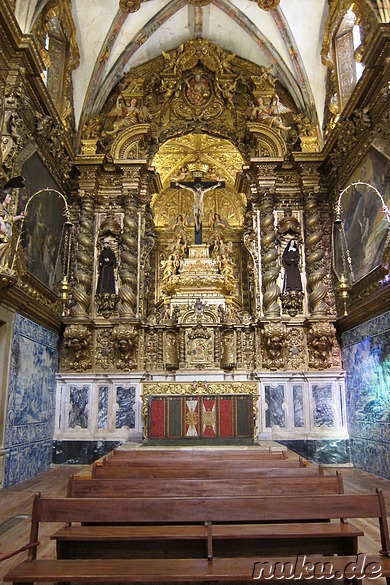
<point>316,270</point>
<point>269,257</point>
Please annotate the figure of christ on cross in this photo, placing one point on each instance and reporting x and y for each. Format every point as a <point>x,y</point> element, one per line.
<point>198,189</point>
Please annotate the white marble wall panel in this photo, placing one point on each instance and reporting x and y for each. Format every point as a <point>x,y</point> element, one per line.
<point>307,407</point>
<point>291,407</point>
<point>97,408</point>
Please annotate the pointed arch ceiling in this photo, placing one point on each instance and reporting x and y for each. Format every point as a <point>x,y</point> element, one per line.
<point>111,42</point>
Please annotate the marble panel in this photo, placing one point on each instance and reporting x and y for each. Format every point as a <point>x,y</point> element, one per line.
<point>81,452</point>
<point>326,452</point>
<point>125,399</point>
<point>275,415</point>
<point>78,399</point>
<point>103,407</point>
<point>31,400</point>
<point>299,417</point>
<point>323,411</point>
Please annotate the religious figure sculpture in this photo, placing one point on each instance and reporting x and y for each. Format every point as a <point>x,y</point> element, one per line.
<point>269,115</point>
<point>170,267</point>
<point>225,267</point>
<point>126,115</point>
<point>198,90</point>
<point>218,228</point>
<point>292,277</point>
<point>107,264</point>
<point>6,222</point>
<point>197,206</point>
<point>180,238</point>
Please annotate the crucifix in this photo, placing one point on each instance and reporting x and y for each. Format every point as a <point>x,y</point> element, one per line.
<point>198,189</point>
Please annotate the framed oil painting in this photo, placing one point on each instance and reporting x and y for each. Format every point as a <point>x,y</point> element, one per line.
<point>43,227</point>
<point>365,229</point>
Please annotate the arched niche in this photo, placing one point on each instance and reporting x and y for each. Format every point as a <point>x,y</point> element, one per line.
<point>205,157</point>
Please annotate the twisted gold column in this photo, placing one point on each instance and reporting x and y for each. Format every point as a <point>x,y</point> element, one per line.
<point>315,268</point>
<point>269,257</point>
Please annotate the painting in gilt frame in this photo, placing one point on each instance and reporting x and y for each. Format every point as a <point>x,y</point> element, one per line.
<point>43,227</point>
<point>365,225</point>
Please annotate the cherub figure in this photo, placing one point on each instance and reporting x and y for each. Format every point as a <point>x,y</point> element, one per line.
<point>227,89</point>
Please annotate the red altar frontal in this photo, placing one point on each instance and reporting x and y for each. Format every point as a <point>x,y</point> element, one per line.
<point>193,413</point>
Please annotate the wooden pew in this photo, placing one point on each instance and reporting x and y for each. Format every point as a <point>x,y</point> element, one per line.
<point>175,456</point>
<point>211,521</point>
<point>119,468</point>
<point>198,570</point>
<point>153,460</point>
<point>80,487</point>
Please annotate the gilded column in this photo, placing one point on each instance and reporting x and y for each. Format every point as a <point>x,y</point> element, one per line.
<point>269,258</point>
<point>128,266</point>
<point>84,251</point>
<point>130,241</point>
<point>316,271</point>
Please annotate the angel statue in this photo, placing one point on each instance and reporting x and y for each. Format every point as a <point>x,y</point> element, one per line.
<point>275,109</point>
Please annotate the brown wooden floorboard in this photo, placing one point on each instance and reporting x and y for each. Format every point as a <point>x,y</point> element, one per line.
<point>16,503</point>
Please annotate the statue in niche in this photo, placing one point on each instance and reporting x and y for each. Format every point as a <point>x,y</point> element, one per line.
<point>7,220</point>
<point>225,267</point>
<point>107,264</point>
<point>292,276</point>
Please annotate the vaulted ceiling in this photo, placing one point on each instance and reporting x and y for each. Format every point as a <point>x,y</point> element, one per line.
<point>111,41</point>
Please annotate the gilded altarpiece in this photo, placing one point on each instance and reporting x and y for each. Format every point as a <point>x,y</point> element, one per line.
<point>180,141</point>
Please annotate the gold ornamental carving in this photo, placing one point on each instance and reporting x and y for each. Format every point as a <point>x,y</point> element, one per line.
<point>268,4</point>
<point>78,346</point>
<point>274,343</point>
<point>321,338</point>
<point>228,354</point>
<point>171,351</point>
<point>129,5</point>
<point>315,254</point>
<point>198,388</point>
<point>125,343</point>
